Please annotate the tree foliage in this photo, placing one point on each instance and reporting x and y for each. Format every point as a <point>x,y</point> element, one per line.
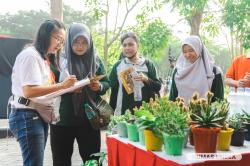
<point>154,38</point>
<point>70,15</point>
<point>236,16</point>
<point>192,10</point>
<point>24,24</point>
<point>114,50</point>
<point>189,7</point>
<point>101,10</point>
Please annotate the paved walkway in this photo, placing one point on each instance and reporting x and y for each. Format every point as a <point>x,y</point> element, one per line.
<point>10,154</point>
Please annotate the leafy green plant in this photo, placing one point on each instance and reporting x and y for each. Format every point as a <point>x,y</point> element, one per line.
<point>91,163</point>
<point>145,118</point>
<point>236,121</point>
<point>127,117</point>
<point>152,124</point>
<point>163,115</point>
<point>174,120</point>
<point>102,156</point>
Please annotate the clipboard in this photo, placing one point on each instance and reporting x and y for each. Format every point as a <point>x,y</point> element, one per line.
<point>52,95</point>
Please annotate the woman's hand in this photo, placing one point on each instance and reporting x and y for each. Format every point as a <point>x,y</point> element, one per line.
<point>78,90</point>
<point>95,85</point>
<point>141,77</point>
<point>68,82</point>
<point>242,82</point>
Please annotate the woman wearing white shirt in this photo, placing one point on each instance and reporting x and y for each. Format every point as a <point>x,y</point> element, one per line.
<point>31,77</point>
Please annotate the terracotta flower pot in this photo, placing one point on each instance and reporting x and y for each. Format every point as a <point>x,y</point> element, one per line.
<point>205,139</point>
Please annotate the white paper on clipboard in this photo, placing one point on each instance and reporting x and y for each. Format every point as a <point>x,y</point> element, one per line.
<point>50,96</point>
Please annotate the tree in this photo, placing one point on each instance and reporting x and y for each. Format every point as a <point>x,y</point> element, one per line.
<point>71,15</point>
<point>192,10</point>
<point>236,17</point>
<point>101,9</point>
<point>154,37</point>
<point>23,24</point>
<point>56,9</point>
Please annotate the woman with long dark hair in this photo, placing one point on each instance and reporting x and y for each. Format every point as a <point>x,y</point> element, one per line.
<point>31,78</point>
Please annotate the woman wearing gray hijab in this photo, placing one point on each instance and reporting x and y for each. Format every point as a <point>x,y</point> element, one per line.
<point>195,72</point>
<point>80,60</point>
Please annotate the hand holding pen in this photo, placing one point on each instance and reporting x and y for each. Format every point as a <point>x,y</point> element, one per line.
<point>69,81</point>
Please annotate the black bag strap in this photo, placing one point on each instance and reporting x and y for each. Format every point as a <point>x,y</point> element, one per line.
<point>214,70</point>
<point>92,103</point>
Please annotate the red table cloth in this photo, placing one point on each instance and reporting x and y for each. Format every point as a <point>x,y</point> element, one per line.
<point>122,152</point>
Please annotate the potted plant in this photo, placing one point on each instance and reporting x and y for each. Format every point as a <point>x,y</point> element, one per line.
<point>150,125</point>
<point>133,134</point>
<point>236,122</point>
<point>140,114</point>
<point>118,124</point>
<point>224,138</point>
<point>174,124</point>
<point>246,118</point>
<point>206,121</point>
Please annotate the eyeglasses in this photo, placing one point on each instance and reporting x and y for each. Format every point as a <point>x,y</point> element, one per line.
<point>59,40</point>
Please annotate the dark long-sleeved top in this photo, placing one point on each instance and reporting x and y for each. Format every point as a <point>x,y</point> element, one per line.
<point>67,115</point>
<point>150,89</point>
<point>217,86</point>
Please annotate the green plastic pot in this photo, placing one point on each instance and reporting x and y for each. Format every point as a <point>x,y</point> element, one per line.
<point>141,137</point>
<point>173,144</point>
<point>122,130</point>
<point>133,134</point>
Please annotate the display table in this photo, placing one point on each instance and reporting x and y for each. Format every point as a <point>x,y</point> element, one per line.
<point>122,152</point>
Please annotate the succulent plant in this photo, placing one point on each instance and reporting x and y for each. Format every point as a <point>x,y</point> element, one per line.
<point>236,121</point>
<point>246,116</point>
<point>206,114</point>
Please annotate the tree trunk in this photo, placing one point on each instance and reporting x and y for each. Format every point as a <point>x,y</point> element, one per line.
<point>232,45</point>
<point>56,9</point>
<point>195,23</point>
<point>241,45</point>
<point>106,46</point>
